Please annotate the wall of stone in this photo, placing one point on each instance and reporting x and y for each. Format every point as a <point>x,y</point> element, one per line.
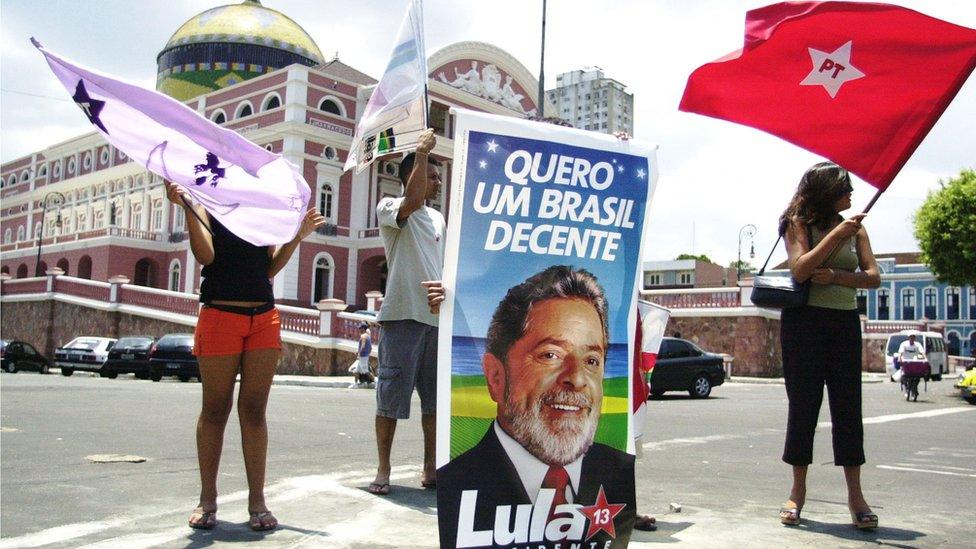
<point>752,341</point>
<point>49,324</point>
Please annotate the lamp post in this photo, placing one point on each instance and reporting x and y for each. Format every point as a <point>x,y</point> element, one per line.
<point>51,199</point>
<point>750,231</point>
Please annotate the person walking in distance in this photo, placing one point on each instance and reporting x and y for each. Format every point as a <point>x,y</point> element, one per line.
<point>238,332</point>
<point>821,341</point>
<point>413,239</point>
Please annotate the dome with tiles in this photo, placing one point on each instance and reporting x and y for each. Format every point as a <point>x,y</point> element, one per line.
<point>228,44</point>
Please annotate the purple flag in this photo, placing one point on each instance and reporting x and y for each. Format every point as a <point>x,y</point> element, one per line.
<point>256,194</point>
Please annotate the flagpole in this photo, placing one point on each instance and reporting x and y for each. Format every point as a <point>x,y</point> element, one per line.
<point>877,195</point>
<point>542,65</point>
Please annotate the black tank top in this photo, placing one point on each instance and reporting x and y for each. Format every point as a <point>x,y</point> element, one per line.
<point>239,270</point>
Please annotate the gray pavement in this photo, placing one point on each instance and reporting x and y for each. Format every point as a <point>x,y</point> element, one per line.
<point>717,458</point>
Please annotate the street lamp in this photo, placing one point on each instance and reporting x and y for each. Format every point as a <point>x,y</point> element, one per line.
<point>51,200</point>
<point>750,231</point>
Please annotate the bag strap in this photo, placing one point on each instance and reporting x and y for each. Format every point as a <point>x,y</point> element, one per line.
<point>809,241</point>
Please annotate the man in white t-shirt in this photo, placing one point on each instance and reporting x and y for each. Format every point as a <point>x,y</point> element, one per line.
<point>413,238</point>
<point>910,349</point>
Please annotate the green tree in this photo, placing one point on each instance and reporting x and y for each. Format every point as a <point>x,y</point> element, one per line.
<point>743,266</point>
<point>701,257</point>
<point>945,228</point>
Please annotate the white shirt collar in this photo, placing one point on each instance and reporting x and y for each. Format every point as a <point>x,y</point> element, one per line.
<point>532,471</point>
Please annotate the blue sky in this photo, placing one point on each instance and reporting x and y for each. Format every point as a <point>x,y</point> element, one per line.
<point>715,176</point>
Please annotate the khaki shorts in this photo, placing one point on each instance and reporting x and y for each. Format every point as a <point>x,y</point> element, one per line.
<point>407,359</point>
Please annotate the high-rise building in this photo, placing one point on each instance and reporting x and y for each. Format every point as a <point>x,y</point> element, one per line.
<point>590,101</point>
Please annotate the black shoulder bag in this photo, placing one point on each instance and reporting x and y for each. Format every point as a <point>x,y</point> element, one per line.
<point>780,292</point>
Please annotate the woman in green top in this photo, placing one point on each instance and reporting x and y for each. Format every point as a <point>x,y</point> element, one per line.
<point>821,342</point>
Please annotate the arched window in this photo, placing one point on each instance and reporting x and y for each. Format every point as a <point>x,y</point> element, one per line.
<point>38,227</point>
<point>332,105</point>
<point>7,236</point>
<point>156,215</point>
<point>145,274</point>
<point>12,181</point>
<point>43,171</point>
<point>21,233</point>
<point>245,109</point>
<point>63,265</point>
<point>85,267</point>
<point>908,304</point>
<point>953,344</point>
<point>327,202</point>
<point>930,303</point>
<point>952,303</point>
<point>136,217</point>
<point>25,176</point>
<point>862,302</point>
<point>219,117</point>
<point>174,275</point>
<point>5,270</point>
<point>271,101</point>
<point>322,279</point>
<point>22,271</point>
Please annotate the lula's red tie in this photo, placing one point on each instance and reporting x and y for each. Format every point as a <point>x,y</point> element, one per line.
<point>556,479</point>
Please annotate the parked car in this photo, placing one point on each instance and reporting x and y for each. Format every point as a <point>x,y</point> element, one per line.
<point>19,355</point>
<point>86,353</point>
<point>683,366</point>
<point>173,356</point>
<point>130,355</point>
<point>967,385</point>
<point>933,345</point>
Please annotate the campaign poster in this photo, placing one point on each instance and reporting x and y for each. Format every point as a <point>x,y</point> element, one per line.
<point>535,446</point>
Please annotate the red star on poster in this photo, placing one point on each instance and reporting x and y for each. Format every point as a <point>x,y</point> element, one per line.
<point>601,515</point>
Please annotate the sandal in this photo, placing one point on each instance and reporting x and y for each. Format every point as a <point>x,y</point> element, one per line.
<point>645,523</point>
<point>379,488</point>
<point>203,520</point>
<point>262,521</point>
<point>864,520</point>
<point>789,516</point>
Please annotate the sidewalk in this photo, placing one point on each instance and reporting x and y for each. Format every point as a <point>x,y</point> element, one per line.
<point>866,377</point>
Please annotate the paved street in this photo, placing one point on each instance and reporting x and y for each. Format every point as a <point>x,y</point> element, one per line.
<point>718,459</point>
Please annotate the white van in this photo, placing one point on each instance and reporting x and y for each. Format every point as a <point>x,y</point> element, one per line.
<point>933,344</point>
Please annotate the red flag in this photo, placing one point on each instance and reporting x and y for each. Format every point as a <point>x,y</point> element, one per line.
<point>652,320</point>
<point>859,83</point>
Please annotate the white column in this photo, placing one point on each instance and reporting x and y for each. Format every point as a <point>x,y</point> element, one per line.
<point>296,94</point>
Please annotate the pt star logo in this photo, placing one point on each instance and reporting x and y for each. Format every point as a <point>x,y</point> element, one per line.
<point>831,70</point>
<point>601,515</point>
<point>91,107</point>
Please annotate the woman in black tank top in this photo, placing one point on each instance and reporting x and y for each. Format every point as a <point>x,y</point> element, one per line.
<point>238,332</point>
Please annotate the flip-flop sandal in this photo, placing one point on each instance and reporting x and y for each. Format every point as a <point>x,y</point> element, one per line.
<point>645,523</point>
<point>262,521</point>
<point>864,520</point>
<point>379,489</point>
<point>206,520</point>
<point>789,516</point>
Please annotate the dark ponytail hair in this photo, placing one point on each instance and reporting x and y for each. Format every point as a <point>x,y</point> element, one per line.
<point>813,203</point>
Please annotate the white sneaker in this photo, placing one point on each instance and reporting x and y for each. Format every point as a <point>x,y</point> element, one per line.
<point>353,385</point>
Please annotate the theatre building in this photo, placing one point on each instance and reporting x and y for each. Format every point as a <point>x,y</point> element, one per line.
<point>94,214</point>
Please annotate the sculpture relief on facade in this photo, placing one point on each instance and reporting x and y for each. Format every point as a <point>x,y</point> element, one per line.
<point>487,83</point>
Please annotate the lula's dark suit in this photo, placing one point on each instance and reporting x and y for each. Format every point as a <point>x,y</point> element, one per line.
<point>488,469</point>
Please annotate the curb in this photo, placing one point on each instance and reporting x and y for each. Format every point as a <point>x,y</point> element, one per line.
<point>866,378</point>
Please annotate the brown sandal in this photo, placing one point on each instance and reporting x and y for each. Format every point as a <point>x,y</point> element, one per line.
<point>205,520</point>
<point>262,521</point>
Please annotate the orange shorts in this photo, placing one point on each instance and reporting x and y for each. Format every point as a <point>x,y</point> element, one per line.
<point>224,333</point>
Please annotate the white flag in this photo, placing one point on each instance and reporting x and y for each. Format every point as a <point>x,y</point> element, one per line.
<point>397,111</point>
<point>258,195</point>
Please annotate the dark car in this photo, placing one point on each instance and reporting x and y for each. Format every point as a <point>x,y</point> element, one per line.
<point>130,355</point>
<point>682,366</point>
<point>87,353</point>
<point>19,355</point>
<point>173,356</point>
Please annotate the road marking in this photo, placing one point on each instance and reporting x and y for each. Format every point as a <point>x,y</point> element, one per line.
<point>898,417</point>
<point>916,470</point>
<point>287,489</point>
<point>692,441</point>
<point>950,467</point>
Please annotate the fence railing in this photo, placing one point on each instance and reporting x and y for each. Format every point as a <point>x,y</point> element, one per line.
<point>298,320</point>
<point>33,285</point>
<point>80,287</point>
<point>695,298</point>
<point>163,300</point>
